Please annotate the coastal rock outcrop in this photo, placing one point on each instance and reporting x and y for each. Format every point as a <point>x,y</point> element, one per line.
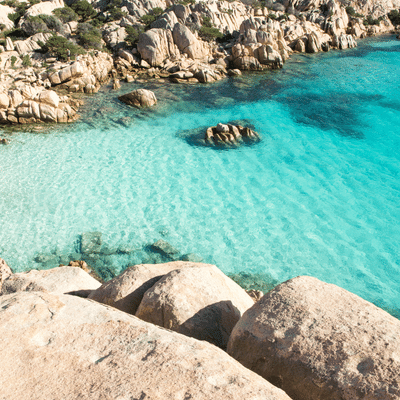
<point>126,290</point>
<point>30,105</point>
<point>157,45</point>
<point>318,341</point>
<point>56,280</point>
<point>5,272</point>
<point>139,98</point>
<point>199,302</point>
<point>65,347</point>
<point>230,135</point>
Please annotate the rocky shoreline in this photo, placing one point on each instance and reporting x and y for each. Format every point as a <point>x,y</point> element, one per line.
<point>35,87</point>
<point>176,331</point>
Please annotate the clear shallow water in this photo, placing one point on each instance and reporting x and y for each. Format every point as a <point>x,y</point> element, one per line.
<point>318,196</point>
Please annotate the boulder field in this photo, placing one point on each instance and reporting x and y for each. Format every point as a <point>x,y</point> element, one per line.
<point>195,42</point>
<point>305,339</point>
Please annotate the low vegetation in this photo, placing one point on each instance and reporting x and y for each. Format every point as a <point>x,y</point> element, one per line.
<point>394,17</point>
<point>89,37</point>
<point>58,46</point>
<point>114,11</point>
<point>208,32</point>
<point>84,10</point>
<point>66,14</point>
<point>133,33</point>
<point>149,18</point>
<point>372,21</point>
<point>352,13</point>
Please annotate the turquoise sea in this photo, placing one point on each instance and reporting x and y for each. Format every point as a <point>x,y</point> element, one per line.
<point>319,195</point>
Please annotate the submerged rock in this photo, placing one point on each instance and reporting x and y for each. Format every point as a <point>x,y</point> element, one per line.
<point>139,98</point>
<point>91,242</point>
<point>199,302</point>
<point>318,341</point>
<point>163,247</point>
<point>192,257</point>
<point>66,347</point>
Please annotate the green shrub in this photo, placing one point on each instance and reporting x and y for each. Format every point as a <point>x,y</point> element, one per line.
<point>372,21</point>
<point>209,34</point>
<point>262,4</point>
<point>34,25</point>
<point>114,12</point>
<point>52,23</point>
<point>151,16</point>
<point>58,46</point>
<point>89,37</point>
<point>394,17</point>
<point>15,34</point>
<point>66,14</point>
<point>26,61</point>
<point>84,9</point>
<point>207,22</point>
<point>352,13</point>
<point>13,60</point>
<point>42,23</point>
<point>20,10</point>
<point>98,21</point>
<point>133,33</point>
<point>186,2</point>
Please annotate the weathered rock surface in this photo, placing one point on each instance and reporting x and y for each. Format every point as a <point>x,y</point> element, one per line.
<point>157,45</point>
<point>44,7</point>
<point>4,11</point>
<point>65,347</point>
<point>126,291</point>
<point>230,135</point>
<point>139,98</point>
<point>200,302</point>
<point>56,280</point>
<point>318,341</point>
<point>5,272</point>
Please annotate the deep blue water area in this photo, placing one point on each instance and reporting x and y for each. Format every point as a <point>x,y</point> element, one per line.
<point>319,195</point>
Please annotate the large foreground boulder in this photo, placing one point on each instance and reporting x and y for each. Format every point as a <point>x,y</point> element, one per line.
<point>65,347</point>
<point>318,341</point>
<point>57,280</point>
<point>200,302</point>
<point>126,291</point>
<point>139,98</point>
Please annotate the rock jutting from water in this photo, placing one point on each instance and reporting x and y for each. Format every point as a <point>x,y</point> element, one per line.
<point>230,135</point>
<point>139,98</point>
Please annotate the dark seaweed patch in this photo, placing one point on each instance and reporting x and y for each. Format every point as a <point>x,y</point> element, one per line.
<point>340,112</point>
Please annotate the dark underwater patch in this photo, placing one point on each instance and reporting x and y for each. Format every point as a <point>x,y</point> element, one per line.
<point>340,112</point>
